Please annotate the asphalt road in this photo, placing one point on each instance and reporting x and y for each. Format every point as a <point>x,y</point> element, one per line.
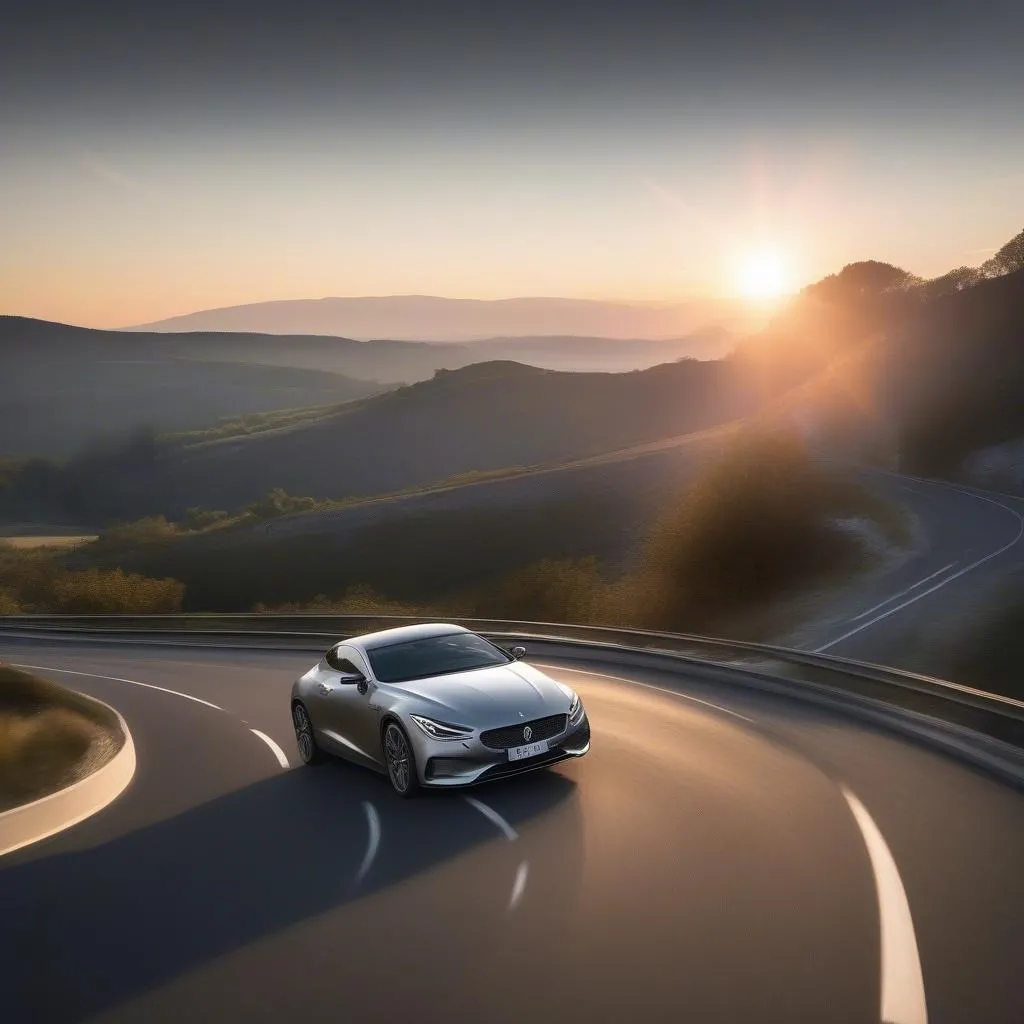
<point>718,856</point>
<point>904,615</point>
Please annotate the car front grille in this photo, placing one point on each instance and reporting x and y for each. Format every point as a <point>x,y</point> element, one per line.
<point>512,735</point>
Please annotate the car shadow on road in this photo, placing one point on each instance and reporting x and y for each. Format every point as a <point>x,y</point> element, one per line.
<point>86,930</point>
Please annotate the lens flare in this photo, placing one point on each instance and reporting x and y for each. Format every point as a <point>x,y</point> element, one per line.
<point>764,274</point>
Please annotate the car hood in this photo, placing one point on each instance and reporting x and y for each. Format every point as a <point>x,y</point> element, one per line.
<point>485,697</point>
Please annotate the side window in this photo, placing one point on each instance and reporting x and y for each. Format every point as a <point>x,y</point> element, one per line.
<point>336,658</point>
<point>356,660</point>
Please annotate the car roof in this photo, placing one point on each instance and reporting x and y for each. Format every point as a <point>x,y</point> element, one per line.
<point>401,634</point>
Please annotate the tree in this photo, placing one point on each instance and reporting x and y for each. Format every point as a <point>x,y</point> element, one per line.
<point>1008,260</point>
<point>857,281</point>
<point>951,283</point>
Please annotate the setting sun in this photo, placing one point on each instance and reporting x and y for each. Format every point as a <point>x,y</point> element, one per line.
<point>764,274</point>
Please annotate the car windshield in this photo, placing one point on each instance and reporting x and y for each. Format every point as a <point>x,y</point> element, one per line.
<point>434,656</point>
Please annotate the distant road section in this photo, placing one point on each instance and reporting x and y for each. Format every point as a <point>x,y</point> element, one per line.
<point>971,540</point>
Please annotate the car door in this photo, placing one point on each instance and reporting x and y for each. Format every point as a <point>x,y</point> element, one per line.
<point>346,716</point>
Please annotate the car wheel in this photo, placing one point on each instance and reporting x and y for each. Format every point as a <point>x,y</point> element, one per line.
<point>401,763</point>
<point>304,739</point>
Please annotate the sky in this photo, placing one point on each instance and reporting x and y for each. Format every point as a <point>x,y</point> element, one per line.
<point>156,160</point>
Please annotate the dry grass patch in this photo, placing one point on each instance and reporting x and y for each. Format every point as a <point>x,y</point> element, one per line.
<point>50,737</point>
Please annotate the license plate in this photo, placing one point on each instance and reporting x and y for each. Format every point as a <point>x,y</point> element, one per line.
<point>530,750</point>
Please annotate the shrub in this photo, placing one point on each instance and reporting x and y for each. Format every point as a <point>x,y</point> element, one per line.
<point>203,518</point>
<point>757,523</point>
<point>99,591</point>
<point>357,600</point>
<point>279,503</point>
<point>37,581</point>
<point>552,590</point>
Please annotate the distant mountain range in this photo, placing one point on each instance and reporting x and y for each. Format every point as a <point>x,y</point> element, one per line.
<point>429,318</point>
<point>868,358</point>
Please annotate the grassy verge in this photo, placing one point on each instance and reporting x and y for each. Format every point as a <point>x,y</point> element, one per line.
<point>253,423</point>
<point>991,656</point>
<point>50,737</point>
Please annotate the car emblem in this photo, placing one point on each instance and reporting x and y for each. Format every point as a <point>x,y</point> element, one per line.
<point>527,734</point>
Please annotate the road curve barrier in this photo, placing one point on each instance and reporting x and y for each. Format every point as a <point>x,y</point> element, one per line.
<point>986,728</point>
<point>31,822</point>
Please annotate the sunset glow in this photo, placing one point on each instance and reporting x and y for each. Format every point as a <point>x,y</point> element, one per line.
<point>652,158</point>
<point>764,274</point>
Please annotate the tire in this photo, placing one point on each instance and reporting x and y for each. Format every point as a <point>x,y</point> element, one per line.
<point>398,755</point>
<point>309,752</point>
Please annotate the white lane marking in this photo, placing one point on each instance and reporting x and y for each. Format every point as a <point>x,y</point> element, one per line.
<point>118,679</point>
<point>523,871</point>
<point>902,995</point>
<point>519,886</point>
<point>277,751</point>
<point>373,822</point>
<point>900,593</point>
<point>941,583</point>
<point>493,816</point>
<point>282,760</point>
<point>649,686</point>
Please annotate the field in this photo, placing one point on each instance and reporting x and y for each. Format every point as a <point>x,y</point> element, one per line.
<point>26,543</point>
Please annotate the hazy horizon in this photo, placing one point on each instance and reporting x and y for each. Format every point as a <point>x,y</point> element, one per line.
<point>442,319</point>
<point>162,161</point>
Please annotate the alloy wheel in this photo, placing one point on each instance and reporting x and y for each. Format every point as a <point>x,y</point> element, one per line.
<point>396,751</point>
<point>304,734</point>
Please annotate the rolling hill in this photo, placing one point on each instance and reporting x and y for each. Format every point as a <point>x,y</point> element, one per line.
<point>477,419</point>
<point>875,363</point>
<point>62,388</point>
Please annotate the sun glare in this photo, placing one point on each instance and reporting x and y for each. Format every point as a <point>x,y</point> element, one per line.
<point>763,275</point>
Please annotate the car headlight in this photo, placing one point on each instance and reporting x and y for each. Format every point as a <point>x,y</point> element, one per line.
<point>575,708</point>
<point>441,730</point>
<point>575,704</point>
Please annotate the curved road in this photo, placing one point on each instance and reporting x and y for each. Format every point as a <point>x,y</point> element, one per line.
<point>718,856</point>
<point>904,615</point>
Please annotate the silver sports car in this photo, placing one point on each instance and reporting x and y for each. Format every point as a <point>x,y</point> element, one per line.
<point>437,706</point>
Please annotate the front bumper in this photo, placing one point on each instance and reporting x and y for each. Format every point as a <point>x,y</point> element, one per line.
<point>450,764</point>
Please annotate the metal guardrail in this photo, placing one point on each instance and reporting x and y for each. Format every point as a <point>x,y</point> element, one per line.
<point>998,717</point>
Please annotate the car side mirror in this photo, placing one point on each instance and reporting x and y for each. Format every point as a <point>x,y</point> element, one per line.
<point>518,652</point>
<point>359,682</point>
